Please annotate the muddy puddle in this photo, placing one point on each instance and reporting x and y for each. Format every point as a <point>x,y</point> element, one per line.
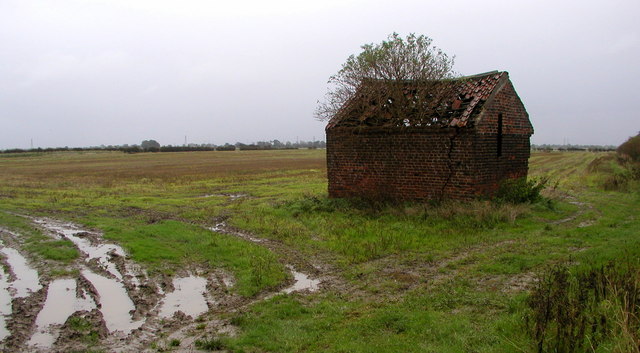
<point>20,282</point>
<point>5,303</point>
<point>132,308</point>
<point>61,303</point>
<point>302,283</point>
<point>103,253</point>
<point>223,228</point>
<point>115,305</point>
<point>26,278</point>
<point>189,297</point>
<point>232,197</point>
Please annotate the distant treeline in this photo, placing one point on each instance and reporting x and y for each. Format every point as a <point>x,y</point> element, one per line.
<point>588,148</point>
<point>152,147</point>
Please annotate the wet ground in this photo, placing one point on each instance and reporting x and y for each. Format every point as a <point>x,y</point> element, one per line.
<point>107,300</point>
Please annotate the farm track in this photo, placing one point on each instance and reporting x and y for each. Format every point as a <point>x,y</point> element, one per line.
<point>128,308</point>
<point>430,274</point>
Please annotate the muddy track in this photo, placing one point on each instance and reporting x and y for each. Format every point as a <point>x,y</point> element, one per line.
<point>287,255</point>
<point>121,307</point>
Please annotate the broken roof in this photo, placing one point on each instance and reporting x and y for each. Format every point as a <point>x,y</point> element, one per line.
<point>444,103</point>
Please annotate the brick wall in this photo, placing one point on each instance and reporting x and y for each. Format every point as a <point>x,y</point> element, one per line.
<point>513,161</point>
<point>399,164</point>
<point>432,163</point>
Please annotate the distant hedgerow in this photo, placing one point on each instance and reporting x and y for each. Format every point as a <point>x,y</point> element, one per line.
<point>631,148</point>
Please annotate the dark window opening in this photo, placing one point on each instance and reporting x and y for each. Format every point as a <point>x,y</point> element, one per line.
<point>499,135</point>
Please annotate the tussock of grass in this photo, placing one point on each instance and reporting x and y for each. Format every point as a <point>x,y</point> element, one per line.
<point>58,250</point>
<point>210,344</point>
<point>83,329</point>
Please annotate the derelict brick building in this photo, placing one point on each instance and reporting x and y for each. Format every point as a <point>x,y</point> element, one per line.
<point>459,140</point>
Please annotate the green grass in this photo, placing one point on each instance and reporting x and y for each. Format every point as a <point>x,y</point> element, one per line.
<point>454,320</point>
<point>84,329</point>
<point>169,245</point>
<point>412,277</point>
<point>62,251</point>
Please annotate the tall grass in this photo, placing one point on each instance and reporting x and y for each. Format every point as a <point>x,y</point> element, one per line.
<point>359,230</point>
<point>587,310</point>
<point>616,172</point>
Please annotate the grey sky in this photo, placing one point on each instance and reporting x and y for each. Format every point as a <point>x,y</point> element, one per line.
<point>91,72</point>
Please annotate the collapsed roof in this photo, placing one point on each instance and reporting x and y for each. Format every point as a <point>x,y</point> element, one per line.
<point>444,103</point>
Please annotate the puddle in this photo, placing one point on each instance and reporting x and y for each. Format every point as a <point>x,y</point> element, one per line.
<point>232,197</point>
<point>586,224</point>
<point>115,304</point>
<point>206,196</point>
<point>224,229</point>
<point>26,282</point>
<point>188,297</point>
<point>61,303</point>
<point>103,253</point>
<point>26,278</point>
<point>302,283</point>
<point>5,303</point>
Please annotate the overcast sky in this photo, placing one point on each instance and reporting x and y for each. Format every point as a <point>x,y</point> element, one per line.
<point>91,72</point>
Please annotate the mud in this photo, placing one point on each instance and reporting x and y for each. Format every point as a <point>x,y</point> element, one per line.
<point>231,197</point>
<point>114,304</point>
<point>187,297</point>
<point>301,283</point>
<point>89,244</point>
<point>5,304</point>
<point>25,278</point>
<point>125,308</point>
<point>61,303</point>
<point>83,337</point>
<point>22,320</point>
<point>223,228</point>
<point>583,207</point>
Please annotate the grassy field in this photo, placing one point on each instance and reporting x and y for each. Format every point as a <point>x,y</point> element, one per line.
<point>405,278</point>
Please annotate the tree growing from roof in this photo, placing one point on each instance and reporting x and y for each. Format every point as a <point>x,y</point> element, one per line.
<point>386,75</point>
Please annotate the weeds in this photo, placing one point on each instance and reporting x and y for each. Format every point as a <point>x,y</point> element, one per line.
<point>84,329</point>
<point>617,172</point>
<point>521,190</point>
<point>361,231</point>
<point>210,344</point>
<point>581,311</point>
